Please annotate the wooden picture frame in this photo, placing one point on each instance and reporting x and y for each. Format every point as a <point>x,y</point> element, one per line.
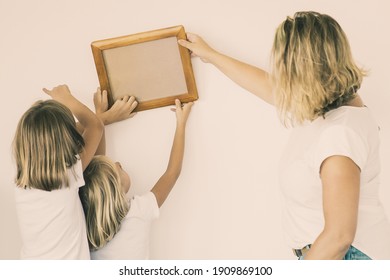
<point>151,65</point>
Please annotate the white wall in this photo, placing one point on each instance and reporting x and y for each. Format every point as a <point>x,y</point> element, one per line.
<point>226,203</point>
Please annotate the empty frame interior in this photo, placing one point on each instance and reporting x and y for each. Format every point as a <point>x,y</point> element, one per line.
<point>152,66</point>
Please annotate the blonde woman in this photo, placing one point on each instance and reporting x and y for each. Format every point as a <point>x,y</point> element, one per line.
<point>118,228</point>
<point>329,173</point>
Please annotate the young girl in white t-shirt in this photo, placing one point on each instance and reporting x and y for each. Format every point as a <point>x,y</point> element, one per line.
<point>118,228</point>
<point>50,157</point>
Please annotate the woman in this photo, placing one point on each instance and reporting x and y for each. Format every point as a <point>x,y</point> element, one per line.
<point>329,173</point>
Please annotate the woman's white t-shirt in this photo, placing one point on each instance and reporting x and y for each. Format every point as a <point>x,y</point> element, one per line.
<point>346,131</point>
<point>52,224</point>
<point>131,242</point>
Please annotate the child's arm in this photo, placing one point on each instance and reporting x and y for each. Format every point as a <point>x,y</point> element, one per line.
<point>93,127</point>
<point>122,109</point>
<point>249,77</point>
<point>166,182</point>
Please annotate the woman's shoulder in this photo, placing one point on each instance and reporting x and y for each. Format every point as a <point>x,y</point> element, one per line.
<point>352,116</point>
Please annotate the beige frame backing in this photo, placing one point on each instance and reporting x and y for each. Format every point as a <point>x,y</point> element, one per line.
<point>185,90</point>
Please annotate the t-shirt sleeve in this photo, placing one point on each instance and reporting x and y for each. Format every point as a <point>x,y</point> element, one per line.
<point>342,141</point>
<point>75,175</point>
<point>144,206</point>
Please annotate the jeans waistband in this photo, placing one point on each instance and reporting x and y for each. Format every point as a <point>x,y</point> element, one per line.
<point>300,252</point>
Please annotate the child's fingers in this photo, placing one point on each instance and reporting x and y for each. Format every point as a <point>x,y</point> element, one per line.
<point>97,100</point>
<point>45,90</point>
<point>131,99</point>
<point>177,103</point>
<point>181,106</point>
<point>100,100</point>
<point>104,97</point>
<point>97,95</point>
<point>58,91</point>
<point>133,105</point>
<point>125,98</point>
<point>124,107</point>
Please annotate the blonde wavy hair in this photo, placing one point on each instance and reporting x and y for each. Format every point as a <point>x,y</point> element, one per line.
<point>45,146</point>
<point>313,70</point>
<point>103,201</point>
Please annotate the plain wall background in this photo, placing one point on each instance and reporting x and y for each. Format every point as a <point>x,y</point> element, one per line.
<point>226,203</point>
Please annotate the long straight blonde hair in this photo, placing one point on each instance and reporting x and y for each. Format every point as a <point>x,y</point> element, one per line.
<point>45,146</point>
<point>313,70</point>
<point>103,201</point>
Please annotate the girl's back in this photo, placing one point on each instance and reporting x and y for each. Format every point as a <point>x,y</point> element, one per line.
<point>132,241</point>
<point>52,223</point>
<point>47,149</point>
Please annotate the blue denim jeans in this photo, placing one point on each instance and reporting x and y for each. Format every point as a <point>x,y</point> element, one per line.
<point>352,254</point>
<point>355,254</point>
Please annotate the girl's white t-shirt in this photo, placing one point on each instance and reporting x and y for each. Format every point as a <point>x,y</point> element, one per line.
<point>131,242</point>
<point>346,131</point>
<point>52,224</point>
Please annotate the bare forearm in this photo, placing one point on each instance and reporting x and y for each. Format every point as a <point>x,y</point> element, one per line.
<point>167,181</point>
<point>93,127</point>
<point>249,77</point>
<point>329,246</point>
<point>177,152</point>
<point>83,114</point>
<point>340,178</point>
<point>101,149</point>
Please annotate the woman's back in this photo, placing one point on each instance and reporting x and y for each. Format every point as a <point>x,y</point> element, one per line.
<point>347,131</point>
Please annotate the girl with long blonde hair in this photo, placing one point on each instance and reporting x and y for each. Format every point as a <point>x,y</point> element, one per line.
<point>119,228</point>
<point>50,157</point>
